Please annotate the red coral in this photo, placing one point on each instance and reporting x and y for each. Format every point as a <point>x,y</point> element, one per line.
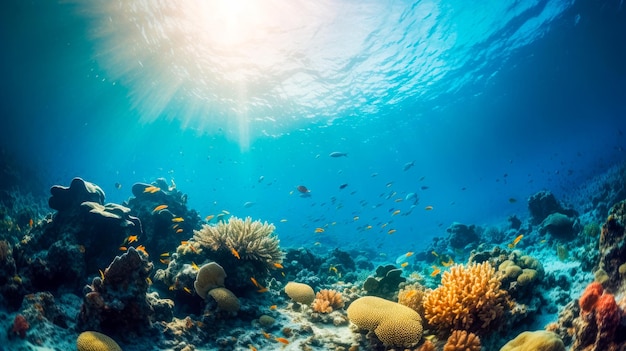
<point>607,314</point>
<point>590,297</point>
<point>20,326</point>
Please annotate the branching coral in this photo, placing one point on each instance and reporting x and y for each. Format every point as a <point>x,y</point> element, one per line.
<point>469,298</point>
<point>245,239</point>
<point>327,300</point>
<point>460,340</point>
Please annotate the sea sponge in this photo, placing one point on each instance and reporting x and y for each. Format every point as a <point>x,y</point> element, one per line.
<point>327,300</point>
<point>251,240</point>
<point>226,300</point>
<point>590,296</point>
<point>539,340</point>
<point>300,292</point>
<point>94,341</point>
<point>528,276</point>
<point>210,276</point>
<point>469,298</point>
<point>393,323</point>
<point>461,340</point>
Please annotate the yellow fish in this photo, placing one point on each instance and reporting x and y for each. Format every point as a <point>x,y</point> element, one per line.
<point>428,208</point>
<point>395,212</point>
<point>149,281</point>
<point>187,290</point>
<point>383,225</point>
<point>209,218</point>
<point>178,219</point>
<point>391,231</point>
<point>101,274</point>
<point>368,227</point>
<point>356,218</point>
<point>434,253</point>
<point>408,254</point>
<point>151,189</point>
<point>319,230</point>
<point>194,266</point>
<point>404,264</point>
<point>164,260</point>
<point>516,241</point>
<point>159,208</point>
<point>449,263</point>
<point>436,271</point>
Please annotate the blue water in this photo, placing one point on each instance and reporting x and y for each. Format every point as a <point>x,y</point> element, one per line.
<point>491,102</point>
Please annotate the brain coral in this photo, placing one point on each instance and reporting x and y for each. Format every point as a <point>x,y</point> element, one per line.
<point>393,324</point>
<point>94,341</point>
<point>251,240</point>
<point>327,300</point>
<point>460,340</point>
<point>539,340</point>
<point>300,292</point>
<point>226,300</point>
<point>469,298</point>
<point>210,276</point>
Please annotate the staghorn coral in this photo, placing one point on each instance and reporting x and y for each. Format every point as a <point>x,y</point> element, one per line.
<point>94,341</point>
<point>393,324</point>
<point>327,300</point>
<point>461,340</point>
<point>469,298</point>
<point>247,239</point>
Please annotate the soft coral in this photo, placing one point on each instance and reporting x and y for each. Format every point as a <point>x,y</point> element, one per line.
<point>20,326</point>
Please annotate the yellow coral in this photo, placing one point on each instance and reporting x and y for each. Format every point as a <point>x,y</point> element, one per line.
<point>469,298</point>
<point>393,324</point>
<point>539,340</point>
<point>250,240</point>
<point>210,276</point>
<point>226,300</point>
<point>327,300</point>
<point>300,292</point>
<point>412,297</point>
<point>461,340</point>
<point>94,341</point>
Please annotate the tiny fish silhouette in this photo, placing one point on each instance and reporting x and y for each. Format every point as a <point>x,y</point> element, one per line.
<point>338,154</point>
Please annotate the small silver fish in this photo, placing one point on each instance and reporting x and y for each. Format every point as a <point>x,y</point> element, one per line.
<point>338,154</point>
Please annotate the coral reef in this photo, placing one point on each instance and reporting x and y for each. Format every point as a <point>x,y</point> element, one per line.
<point>210,276</point>
<point>469,298</point>
<point>461,235</point>
<point>94,341</point>
<point>386,281</point>
<point>300,293</point>
<point>543,204</point>
<point>392,323</point>
<point>461,340</point>
<point>559,226</point>
<point>612,249</point>
<point>535,341</point>
<point>327,300</point>
<point>412,297</point>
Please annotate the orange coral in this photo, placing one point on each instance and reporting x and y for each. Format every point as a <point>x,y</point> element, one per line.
<point>327,300</point>
<point>469,298</point>
<point>460,340</point>
<point>426,346</point>
<point>590,296</point>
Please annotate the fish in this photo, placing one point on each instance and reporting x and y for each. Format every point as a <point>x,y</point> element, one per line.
<point>391,231</point>
<point>515,241</point>
<point>178,219</point>
<point>278,265</point>
<point>263,290</point>
<point>266,335</point>
<point>303,189</point>
<point>132,239</point>
<point>123,248</point>
<point>408,165</point>
<point>187,290</point>
<point>225,212</point>
<point>355,218</point>
<point>255,282</point>
<point>512,200</point>
<point>434,253</point>
<point>436,271</point>
<point>448,263</point>
<point>404,264</point>
<point>142,249</point>
<point>382,226</point>
<point>319,230</point>
<point>164,260</point>
<point>398,199</point>
<point>252,348</point>
<point>261,178</point>
<point>283,220</point>
<point>148,280</point>
<point>395,212</point>
<point>235,253</point>
<point>338,154</point>
<point>31,222</point>
<point>428,208</point>
<point>343,186</point>
<point>179,230</point>
<point>194,266</point>
<point>248,204</point>
<point>117,186</point>
<point>333,269</point>
<point>273,307</point>
<point>317,243</point>
<point>424,187</point>
<point>101,274</point>
<point>159,208</point>
<point>209,218</point>
<point>368,227</point>
<point>151,189</point>
<point>282,340</point>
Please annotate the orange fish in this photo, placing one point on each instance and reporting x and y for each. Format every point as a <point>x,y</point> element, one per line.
<point>151,189</point>
<point>255,282</point>
<point>319,230</point>
<point>235,253</point>
<point>266,335</point>
<point>282,340</point>
<point>164,261</point>
<point>209,218</point>
<point>436,271</point>
<point>159,208</point>
<point>123,248</point>
<point>428,208</point>
<point>515,241</point>
<point>30,223</point>
<point>409,254</point>
<point>278,265</point>
<point>263,290</point>
<point>178,219</point>
<point>273,307</point>
<point>179,230</point>
<point>395,212</point>
<point>252,348</point>
<point>132,239</point>
<point>142,249</point>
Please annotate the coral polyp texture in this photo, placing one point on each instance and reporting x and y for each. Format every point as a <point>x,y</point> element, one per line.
<point>300,292</point>
<point>469,298</point>
<point>94,341</point>
<point>393,324</point>
<point>539,340</point>
<point>243,239</point>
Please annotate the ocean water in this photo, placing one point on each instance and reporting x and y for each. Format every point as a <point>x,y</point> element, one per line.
<point>470,107</point>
